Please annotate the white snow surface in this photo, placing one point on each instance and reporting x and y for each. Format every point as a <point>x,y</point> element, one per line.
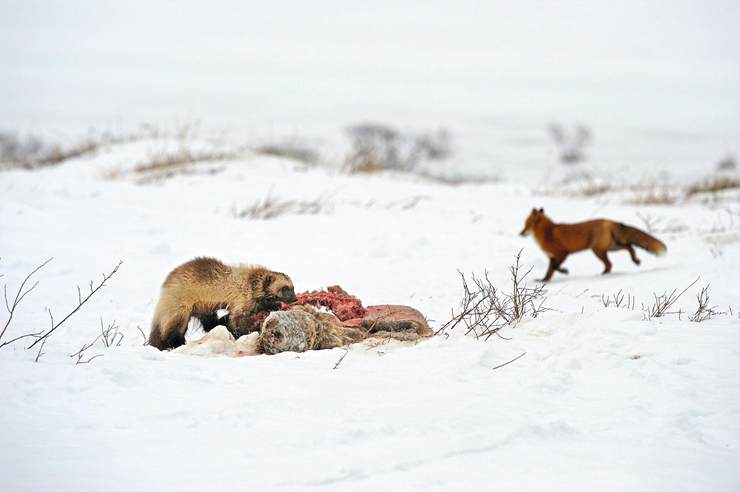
<point>602,399</point>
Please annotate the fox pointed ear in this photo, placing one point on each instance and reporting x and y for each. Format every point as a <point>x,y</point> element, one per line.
<point>541,210</point>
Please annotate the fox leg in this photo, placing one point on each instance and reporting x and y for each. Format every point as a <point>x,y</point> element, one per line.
<point>559,268</point>
<point>605,259</point>
<point>550,269</point>
<point>634,257</point>
<point>553,266</point>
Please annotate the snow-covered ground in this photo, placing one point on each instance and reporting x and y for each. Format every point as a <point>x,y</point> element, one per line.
<point>601,399</point>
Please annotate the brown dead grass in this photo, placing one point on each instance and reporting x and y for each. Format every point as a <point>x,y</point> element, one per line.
<point>714,184</point>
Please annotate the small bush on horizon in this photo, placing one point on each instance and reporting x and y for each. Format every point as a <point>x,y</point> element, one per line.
<point>378,147</point>
<point>571,144</point>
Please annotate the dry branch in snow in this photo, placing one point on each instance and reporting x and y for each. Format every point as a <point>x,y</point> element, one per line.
<point>80,302</point>
<point>109,336</point>
<point>19,295</point>
<point>662,303</point>
<point>619,299</point>
<point>485,309</point>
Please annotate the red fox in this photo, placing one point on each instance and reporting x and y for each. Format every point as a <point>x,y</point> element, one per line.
<point>600,236</point>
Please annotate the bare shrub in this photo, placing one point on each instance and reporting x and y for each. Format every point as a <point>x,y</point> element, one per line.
<point>662,303</point>
<point>17,150</point>
<point>270,207</point>
<point>109,336</point>
<point>585,185</point>
<point>485,309</point>
<point>19,295</point>
<point>432,146</point>
<point>377,147</point>
<point>727,164</point>
<point>704,310</point>
<point>572,143</point>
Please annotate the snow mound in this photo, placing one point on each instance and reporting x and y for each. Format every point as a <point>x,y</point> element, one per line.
<point>219,341</point>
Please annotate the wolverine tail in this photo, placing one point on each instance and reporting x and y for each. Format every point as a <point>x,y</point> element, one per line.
<point>633,235</point>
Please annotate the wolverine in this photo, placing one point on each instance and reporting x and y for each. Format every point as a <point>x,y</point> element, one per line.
<point>557,241</point>
<point>201,287</point>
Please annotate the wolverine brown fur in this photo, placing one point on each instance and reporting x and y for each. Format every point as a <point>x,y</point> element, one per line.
<point>200,287</point>
<point>559,240</point>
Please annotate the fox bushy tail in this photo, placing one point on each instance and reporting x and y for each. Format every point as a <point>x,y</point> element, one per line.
<point>633,235</point>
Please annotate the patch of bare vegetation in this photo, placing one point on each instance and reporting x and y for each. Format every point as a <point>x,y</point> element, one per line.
<point>32,152</point>
<point>659,225</point>
<point>619,300</point>
<point>664,304</point>
<point>485,309</point>
<point>714,184</point>
<point>165,165</point>
<point>651,191</point>
<point>581,184</point>
<point>704,310</point>
<point>271,207</point>
<point>377,147</point>
<point>571,143</point>
<point>654,193</point>
<point>177,160</point>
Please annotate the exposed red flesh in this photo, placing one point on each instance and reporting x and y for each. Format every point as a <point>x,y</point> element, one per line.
<point>348,312</point>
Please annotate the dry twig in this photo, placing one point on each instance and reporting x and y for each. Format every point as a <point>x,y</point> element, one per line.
<point>512,360</point>
<point>346,351</point>
<point>19,295</point>
<point>80,302</point>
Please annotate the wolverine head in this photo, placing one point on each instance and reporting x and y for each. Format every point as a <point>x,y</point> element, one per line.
<point>534,218</point>
<point>275,288</point>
